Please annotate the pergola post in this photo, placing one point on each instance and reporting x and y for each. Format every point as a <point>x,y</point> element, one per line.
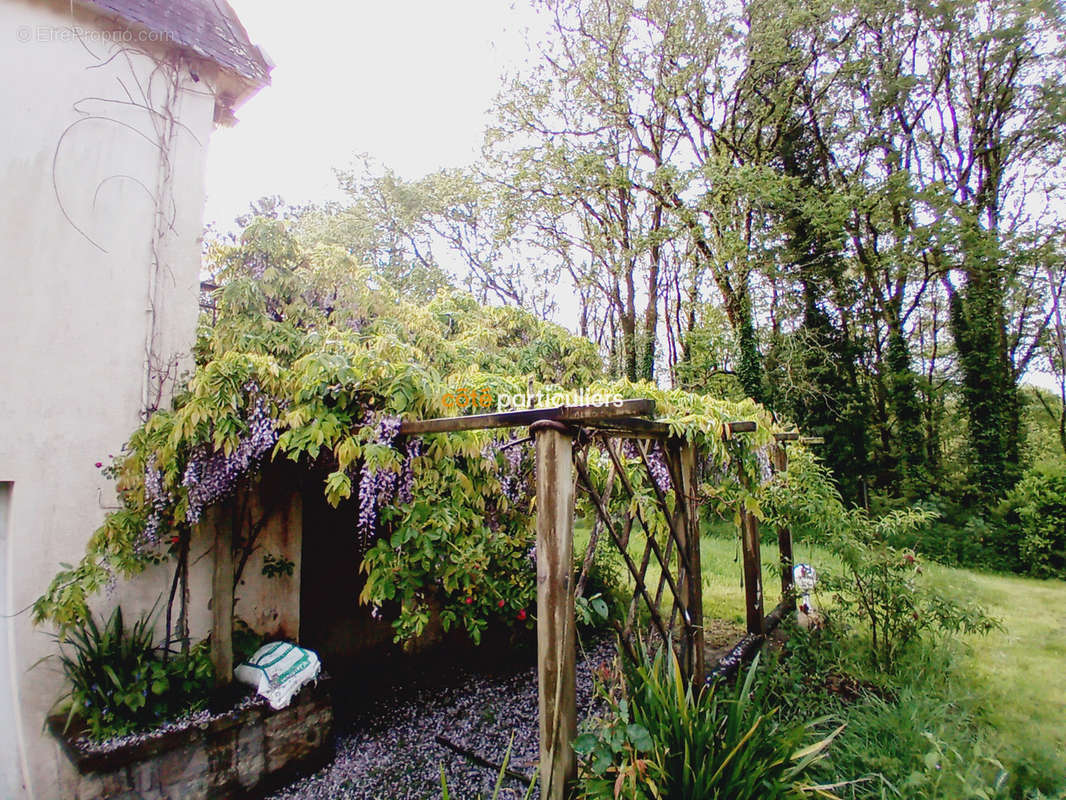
<point>779,457</point>
<point>749,545</point>
<point>683,456</point>
<point>556,635</point>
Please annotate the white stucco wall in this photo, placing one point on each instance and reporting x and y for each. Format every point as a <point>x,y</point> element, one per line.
<point>74,304</point>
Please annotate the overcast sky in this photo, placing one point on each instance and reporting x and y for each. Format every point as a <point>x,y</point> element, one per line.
<point>405,81</point>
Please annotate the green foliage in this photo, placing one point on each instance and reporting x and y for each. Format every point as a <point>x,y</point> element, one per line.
<point>605,589</point>
<point>119,682</point>
<point>277,566</point>
<point>301,338</point>
<point>989,388</point>
<point>1024,533</point>
<point>443,539</point>
<point>1044,424</point>
<point>917,733</point>
<point>1035,511</point>
<point>881,587</point>
<point>813,378</point>
<point>663,739</point>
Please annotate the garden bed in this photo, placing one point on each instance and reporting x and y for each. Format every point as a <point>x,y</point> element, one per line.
<point>244,752</point>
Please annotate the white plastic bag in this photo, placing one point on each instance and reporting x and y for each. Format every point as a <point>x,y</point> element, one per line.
<point>279,670</point>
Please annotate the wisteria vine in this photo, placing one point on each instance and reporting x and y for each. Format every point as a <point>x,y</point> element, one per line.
<point>212,475</point>
<point>381,487</point>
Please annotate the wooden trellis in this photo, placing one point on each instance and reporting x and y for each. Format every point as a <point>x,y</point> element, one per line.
<point>677,555</point>
<point>563,437</point>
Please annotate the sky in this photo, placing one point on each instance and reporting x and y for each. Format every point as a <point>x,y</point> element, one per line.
<point>406,81</point>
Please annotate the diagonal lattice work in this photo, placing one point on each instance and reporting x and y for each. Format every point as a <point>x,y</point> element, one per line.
<point>673,599</point>
<point>662,526</point>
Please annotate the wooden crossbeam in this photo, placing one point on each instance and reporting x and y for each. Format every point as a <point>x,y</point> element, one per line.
<point>583,415</point>
<point>624,417</point>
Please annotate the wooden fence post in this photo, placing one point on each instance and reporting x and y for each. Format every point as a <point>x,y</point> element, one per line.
<point>218,521</point>
<point>683,454</point>
<point>779,457</point>
<point>752,572</point>
<point>556,634</point>
<point>749,545</point>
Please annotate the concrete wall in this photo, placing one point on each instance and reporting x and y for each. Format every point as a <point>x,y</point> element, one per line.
<point>100,225</point>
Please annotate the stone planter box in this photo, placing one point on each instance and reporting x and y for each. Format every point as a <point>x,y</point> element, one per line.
<point>243,753</point>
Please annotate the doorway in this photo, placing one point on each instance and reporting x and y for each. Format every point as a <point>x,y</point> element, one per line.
<point>10,768</point>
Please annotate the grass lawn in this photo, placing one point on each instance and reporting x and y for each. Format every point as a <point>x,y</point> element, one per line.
<point>1015,678</point>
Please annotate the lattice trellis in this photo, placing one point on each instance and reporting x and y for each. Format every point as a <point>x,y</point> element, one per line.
<point>563,437</point>
<point>675,601</point>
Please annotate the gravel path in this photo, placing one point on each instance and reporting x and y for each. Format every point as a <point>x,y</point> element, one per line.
<point>390,752</point>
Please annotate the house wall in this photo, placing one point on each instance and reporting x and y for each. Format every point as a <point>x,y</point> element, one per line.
<point>100,222</point>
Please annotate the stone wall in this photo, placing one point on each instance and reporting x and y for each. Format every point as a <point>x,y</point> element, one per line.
<point>243,753</point>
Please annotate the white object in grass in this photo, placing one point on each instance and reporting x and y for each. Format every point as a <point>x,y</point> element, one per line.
<point>279,670</point>
<point>805,578</point>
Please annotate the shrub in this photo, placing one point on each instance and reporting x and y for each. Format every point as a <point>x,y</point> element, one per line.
<point>662,739</point>
<point>119,681</point>
<point>1036,507</point>
<point>604,595</point>
<point>957,536</point>
<point>882,588</point>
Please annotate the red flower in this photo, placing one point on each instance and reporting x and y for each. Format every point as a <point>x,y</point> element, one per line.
<point>175,539</point>
<point>99,464</point>
<point>469,601</point>
<point>521,613</point>
<point>500,604</point>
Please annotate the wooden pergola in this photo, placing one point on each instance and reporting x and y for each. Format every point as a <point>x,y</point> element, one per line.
<point>563,436</point>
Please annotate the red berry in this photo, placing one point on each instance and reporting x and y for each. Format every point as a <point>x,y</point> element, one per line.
<point>175,539</point>
<point>521,613</point>
<point>470,601</point>
<point>99,464</point>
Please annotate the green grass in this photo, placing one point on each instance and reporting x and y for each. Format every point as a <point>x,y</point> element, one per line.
<point>1004,693</point>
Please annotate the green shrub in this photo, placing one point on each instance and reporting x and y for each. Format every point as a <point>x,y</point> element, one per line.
<point>959,537</point>
<point>604,594</point>
<point>664,740</point>
<point>119,682</point>
<point>883,591</point>
<point>1036,507</point>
